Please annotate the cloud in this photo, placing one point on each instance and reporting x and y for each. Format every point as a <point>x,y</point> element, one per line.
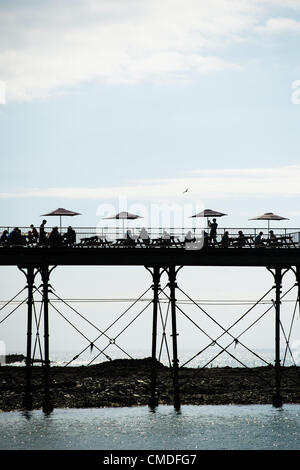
<point>49,45</point>
<point>202,184</point>
<point>280,25</point>
<point>2,92</point>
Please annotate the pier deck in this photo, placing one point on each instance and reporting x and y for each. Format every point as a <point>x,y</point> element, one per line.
<point>96,256</point>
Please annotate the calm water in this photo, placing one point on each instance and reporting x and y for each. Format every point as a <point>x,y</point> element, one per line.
<point>230,427</point>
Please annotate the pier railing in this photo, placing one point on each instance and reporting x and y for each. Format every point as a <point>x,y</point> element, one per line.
<point>113,234</point>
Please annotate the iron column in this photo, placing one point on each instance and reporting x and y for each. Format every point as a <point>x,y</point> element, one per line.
<point>153,401</point>
<point>277,398</point>
<point>27,400</point>
<point>47,405</point>
<point>172,286</point>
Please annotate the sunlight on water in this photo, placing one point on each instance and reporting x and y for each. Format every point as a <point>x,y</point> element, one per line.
<point>228,427</point>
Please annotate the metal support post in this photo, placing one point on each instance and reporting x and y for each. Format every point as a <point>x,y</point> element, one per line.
<point>277,398</point>
<point>47,405</point>
<point>27,399</point>
<point>153,401</point>
<point>172,286</point>
<point>297,274</point>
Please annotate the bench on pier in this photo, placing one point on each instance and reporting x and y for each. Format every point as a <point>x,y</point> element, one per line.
<point>94,241</point>
<point>164,242</point>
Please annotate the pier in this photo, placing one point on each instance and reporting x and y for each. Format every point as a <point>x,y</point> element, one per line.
<point>162,257</point>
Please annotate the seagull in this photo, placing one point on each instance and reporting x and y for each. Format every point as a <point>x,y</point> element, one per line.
<point>185,191</point>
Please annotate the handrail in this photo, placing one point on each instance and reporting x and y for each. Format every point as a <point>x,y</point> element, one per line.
<point>113,234</point>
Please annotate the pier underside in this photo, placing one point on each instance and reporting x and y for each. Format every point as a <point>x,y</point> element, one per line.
<point>159,261</point>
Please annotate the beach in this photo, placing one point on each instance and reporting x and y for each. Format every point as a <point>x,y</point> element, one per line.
<point>126,382</point>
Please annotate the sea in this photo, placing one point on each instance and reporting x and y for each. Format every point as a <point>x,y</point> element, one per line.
<point>192,428</point>
<point>208,427</point>
<point>234,356</point>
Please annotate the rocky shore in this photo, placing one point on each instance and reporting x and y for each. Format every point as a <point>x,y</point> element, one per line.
<point>126,382</point>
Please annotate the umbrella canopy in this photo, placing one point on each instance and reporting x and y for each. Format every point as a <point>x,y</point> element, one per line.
<point>269,216</point>
<point>124,216</point>
<point>61,212</point>
<point>208,213</point>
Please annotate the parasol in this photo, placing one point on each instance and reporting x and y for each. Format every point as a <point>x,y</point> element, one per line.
<point>208,213</point>
<point>124,216</point>
<point>61,212</point>
<point>269,216</point>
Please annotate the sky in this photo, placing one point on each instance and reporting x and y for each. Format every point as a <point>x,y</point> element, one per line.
<point>122,105</point>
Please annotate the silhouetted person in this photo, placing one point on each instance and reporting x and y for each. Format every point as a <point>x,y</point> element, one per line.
<point>213,230</point>
<point>4,237</point>
<point>241,240</point>
<point>42,237</point>
<point>206,238</point>
<point>189,237</point>
<point>70,236</point>
<point>30,238</point>
<point>225,240</point>
<point>144,236</point>
<point>165,238</point>
<point>14,236</point>
<point>54,237</point>
<point>272,238</point>
<point>34,233</point>
<point>259,240</point>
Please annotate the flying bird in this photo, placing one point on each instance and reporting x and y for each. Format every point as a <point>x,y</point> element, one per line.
<point>185,191</point>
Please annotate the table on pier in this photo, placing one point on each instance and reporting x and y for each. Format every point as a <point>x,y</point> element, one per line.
<point>171,241</point>
<point>94,241</point>
<point>237,242</point>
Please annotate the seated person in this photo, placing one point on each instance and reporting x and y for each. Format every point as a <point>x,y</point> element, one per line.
<point>54,237</point>
<point>241,240</point>
<point>4,237</point>
<point>165,237</point>
<point>14,236</point>
<point>259,240</point>
<point>189,237</point>
<point>31,238</point>
<point>129,240</point>
<point>206,238</point>
<point>35,233</point>
<point>225,240</point>
<point>272,238</point>
<point>70,236</point>
<point>144,236</point>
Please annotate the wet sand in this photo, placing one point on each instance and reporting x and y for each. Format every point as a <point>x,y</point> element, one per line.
<point>126,382</point>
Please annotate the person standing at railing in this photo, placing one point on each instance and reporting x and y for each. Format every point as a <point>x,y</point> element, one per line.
<point>213,231</point>
<point>42,237</point>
